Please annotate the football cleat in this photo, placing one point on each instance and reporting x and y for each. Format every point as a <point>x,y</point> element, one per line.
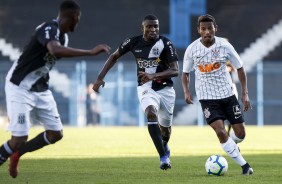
<point>165,163</point>
<point>13,167</point>
<point>167,150</point>
<point>247,170</point>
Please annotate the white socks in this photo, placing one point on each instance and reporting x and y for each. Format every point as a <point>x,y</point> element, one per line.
<point>231,148</point>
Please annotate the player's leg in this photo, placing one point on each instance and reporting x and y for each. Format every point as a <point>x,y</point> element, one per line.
<point>166,132</point>
<point>149,102</point>
<point>11,146</point>
<point>154,129</point>
<point>19,116</point>
<point>46,112</point>
<point>227,144</point>
<point>235,117</point>
<point>167,102</point>
<point>228,127</point>
<point>238,134</point>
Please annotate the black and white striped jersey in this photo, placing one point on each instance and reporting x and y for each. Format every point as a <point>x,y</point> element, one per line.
<point>212,79</point>
<point>31,71</point>
<point>151,57</point>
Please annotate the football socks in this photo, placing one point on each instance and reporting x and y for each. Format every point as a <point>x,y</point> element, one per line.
<point>34,144</point>
<point>231,148</point>
<point>156,136</point>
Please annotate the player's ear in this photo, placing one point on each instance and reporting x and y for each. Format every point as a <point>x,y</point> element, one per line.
<point>198,28</point>
<point>215,28</point>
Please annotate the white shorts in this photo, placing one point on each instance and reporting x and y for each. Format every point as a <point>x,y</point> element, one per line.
<point>24,106</point>
<point>163,100</point>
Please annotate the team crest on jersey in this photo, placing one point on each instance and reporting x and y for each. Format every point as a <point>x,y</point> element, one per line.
<point>207,113</point>
<point>215,53</point>
<point>156,51</point>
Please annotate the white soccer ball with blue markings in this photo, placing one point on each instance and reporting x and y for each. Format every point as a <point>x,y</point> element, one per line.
<point>216,165</point>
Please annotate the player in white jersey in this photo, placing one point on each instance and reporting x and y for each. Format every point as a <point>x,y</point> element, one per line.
<point>27,85</point>
<point>157,63</point>
<point>208,56</point>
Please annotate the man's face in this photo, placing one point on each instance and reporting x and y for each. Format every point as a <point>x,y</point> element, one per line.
<point>75,20</point>
<point>150,29</point>
<point>207,31</point>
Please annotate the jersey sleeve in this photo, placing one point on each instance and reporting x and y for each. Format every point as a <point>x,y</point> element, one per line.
<point>188,61</point>
<point>47,33</point>
<point>170,51</point>
<point>234,57</point>
<point>125,46</point>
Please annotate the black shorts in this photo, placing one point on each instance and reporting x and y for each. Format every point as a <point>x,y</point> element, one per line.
<point>226,108</point>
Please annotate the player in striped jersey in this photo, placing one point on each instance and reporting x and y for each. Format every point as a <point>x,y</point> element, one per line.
<point>157,63</point>
<point>27,85</point>
<point>207,56</point>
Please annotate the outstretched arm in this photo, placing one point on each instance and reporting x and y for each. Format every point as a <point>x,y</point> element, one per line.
<point>108,65</point>
<point>245,97</point>
<point>56,49</point>
<point>185,80</point>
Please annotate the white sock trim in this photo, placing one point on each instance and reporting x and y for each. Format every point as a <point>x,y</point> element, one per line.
<point>153,123</point>
<point>46,139</point>
<point>7,148</point>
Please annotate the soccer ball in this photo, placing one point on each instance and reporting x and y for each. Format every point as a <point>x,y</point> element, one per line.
<point>216,165</point>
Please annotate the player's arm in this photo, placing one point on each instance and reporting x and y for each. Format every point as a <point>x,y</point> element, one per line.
<point>107,66</point>
<point>243,81</point>
<point>172,71</point>
<point>56,49</point>
<point>185,80</point>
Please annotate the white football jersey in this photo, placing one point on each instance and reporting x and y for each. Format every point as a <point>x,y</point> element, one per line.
<point>212,79</point>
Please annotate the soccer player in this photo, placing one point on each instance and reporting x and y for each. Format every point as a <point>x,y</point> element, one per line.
<point>27,85</point>
<point>208,56</point>
<point>157,62</point>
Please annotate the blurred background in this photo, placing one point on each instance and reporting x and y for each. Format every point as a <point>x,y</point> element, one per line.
<point>252,27</point>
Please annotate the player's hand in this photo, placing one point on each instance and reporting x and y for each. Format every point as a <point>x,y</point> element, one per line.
<point>100,48</point>
<point>246,102</point>
<point>145,77</point>
<point>188,98</point>
<point>97,85</point>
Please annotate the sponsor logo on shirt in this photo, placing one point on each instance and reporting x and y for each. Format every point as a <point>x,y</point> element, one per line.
<point>142,63</point>
<point>209,67</point>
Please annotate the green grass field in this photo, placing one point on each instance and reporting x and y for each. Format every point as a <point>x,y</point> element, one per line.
<point>126,155</point>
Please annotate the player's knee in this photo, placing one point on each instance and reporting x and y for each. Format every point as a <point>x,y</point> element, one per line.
<point>238,137</point>
<point>54,136</point>
<point>17,142</point>
<point>151,114</point>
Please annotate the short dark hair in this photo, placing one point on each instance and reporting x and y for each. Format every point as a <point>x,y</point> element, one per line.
<point>68,7</point>
<point>206,18</point>
<point>150,17</point>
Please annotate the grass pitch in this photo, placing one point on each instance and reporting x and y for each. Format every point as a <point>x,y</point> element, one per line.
<point>126,155</point>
